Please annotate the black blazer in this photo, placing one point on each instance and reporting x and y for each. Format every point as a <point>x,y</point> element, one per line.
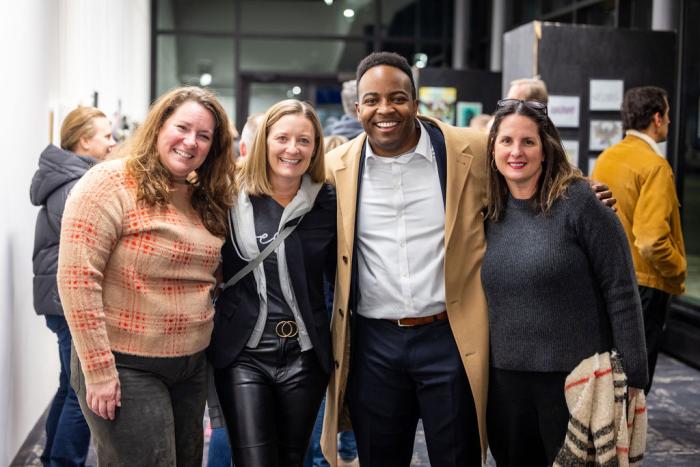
<point>311,254</point>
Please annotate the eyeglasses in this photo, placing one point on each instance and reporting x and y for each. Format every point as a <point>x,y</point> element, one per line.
<point>537,106</point>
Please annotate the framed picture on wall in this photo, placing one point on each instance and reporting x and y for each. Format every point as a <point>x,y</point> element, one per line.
<point>606,94</point>
<point>564,111</point>
<point>603,134</point>
<point>466,111</point>
<point>438,103</point>
<point>571,147</point>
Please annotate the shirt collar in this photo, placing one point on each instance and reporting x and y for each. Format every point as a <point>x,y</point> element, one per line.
<point>423,148</point>
<point>648,139</point>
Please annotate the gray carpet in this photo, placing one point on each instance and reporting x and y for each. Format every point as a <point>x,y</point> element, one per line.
<point>674,423</point>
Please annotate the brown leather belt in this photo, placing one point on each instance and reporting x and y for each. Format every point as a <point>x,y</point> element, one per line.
<point>410,322</point>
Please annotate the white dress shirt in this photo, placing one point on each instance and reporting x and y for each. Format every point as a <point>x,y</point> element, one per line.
<point>401,235</point>
<point>648,139</point>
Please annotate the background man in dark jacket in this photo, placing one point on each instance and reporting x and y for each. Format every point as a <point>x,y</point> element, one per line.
<point>86,138</point>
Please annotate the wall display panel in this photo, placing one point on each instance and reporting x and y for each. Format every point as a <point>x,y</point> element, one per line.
<point>571,147</point>
<point>568,57</point>
<point>473,86</point>
<point>466,111</point>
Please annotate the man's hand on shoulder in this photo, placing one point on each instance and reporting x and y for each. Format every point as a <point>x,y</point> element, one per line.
<point>603,194</point>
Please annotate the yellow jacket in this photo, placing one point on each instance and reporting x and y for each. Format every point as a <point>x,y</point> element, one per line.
<point>642,182</point>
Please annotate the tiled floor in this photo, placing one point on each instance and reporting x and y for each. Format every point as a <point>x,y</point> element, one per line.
<point>674,423</point>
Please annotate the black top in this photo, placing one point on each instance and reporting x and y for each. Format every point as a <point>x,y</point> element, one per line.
<point>267,220</point>
<point>310,252</point>
<point>561,287</point>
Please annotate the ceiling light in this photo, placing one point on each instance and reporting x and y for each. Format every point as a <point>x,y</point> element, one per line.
<point>349,13</point>
<point>205,79</point>
<point>420,60</point>
<point>296,90</point>
<point>328,2</point>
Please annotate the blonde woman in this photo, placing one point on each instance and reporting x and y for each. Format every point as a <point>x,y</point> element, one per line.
<point>86,139</point>
<point>140,242</point>
<point>271,342</point>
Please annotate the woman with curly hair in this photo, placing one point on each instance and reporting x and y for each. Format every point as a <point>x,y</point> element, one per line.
<point>140,242</point>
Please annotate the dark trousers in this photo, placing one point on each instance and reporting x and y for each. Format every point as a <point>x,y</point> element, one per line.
<point>526,417</point>
<point>655,304</point>
<point>269,397</point>
<point>67,433</point>
<point>398,375</point>
<point>160,420</point>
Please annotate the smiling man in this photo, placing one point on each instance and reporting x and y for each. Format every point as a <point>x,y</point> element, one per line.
<point>410,331</point>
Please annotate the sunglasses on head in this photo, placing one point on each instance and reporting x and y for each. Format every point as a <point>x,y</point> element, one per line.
<point>532,105</point>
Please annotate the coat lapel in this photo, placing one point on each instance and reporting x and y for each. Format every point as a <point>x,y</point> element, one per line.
<point>346,188</point>
<point>459,159</point>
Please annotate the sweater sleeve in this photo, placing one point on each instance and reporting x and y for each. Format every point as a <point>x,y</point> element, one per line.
<point>602,237</point>
<point>651,224</point>
<point>91,226</point>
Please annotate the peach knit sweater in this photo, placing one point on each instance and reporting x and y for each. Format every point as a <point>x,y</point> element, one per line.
<point>133,278</point>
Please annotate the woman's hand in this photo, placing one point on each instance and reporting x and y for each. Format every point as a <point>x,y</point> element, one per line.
<point>103,398</point>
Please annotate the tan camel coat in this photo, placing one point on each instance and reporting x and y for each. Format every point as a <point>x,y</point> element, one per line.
<point>464,250</point>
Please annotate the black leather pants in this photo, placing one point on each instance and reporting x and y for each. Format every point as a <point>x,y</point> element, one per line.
<point>269,397</point>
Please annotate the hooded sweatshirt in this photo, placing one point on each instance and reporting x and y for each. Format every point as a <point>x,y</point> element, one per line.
<point>58,171</point>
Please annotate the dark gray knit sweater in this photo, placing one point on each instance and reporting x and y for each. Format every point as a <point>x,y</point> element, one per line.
<point>561,287</point>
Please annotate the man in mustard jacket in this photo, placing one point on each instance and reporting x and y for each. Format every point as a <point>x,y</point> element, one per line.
<point>642,180</point>
<point>410,328</point>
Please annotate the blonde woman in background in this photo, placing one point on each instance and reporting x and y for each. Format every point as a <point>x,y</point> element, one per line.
<point>139,246</point>
<point>86,139</point>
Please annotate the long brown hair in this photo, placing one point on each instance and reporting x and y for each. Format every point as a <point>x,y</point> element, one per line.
<point>212,187</point>
<point>557,172</point>
<point>255,173</point>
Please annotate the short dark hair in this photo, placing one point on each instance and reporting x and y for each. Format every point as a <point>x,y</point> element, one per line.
<point>388,59</point>
<point>641,104</point>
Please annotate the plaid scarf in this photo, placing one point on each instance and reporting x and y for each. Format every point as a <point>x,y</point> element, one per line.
<point>603,430</point>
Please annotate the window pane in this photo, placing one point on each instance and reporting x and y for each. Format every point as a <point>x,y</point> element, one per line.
<point>399,18</point>
<point>196,15</point>
<point>302,56</point>
<point>308,17</point>
<point>184,59</point>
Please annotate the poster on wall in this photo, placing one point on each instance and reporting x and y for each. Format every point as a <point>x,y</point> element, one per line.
<point>571,149</point>
<point>438,103</point>
<point>606,94</point>
<point>466,111</point>
<point>564,111</point>
<point>603,134</point>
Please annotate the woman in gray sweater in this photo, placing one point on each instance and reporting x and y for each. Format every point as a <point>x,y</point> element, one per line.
<point>559,282</point>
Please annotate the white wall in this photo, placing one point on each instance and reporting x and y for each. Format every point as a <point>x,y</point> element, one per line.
<point>55,53</point>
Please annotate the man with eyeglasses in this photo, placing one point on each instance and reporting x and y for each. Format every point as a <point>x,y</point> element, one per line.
<point>637,171</point>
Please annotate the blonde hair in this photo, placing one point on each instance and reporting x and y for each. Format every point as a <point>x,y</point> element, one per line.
<point>79,124</point>
<point>255,174</point>
<point>212,187</point>
<point>333,141</point>
<point>534,89</point>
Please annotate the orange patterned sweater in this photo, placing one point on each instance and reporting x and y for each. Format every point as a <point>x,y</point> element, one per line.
<point>133,278</point>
